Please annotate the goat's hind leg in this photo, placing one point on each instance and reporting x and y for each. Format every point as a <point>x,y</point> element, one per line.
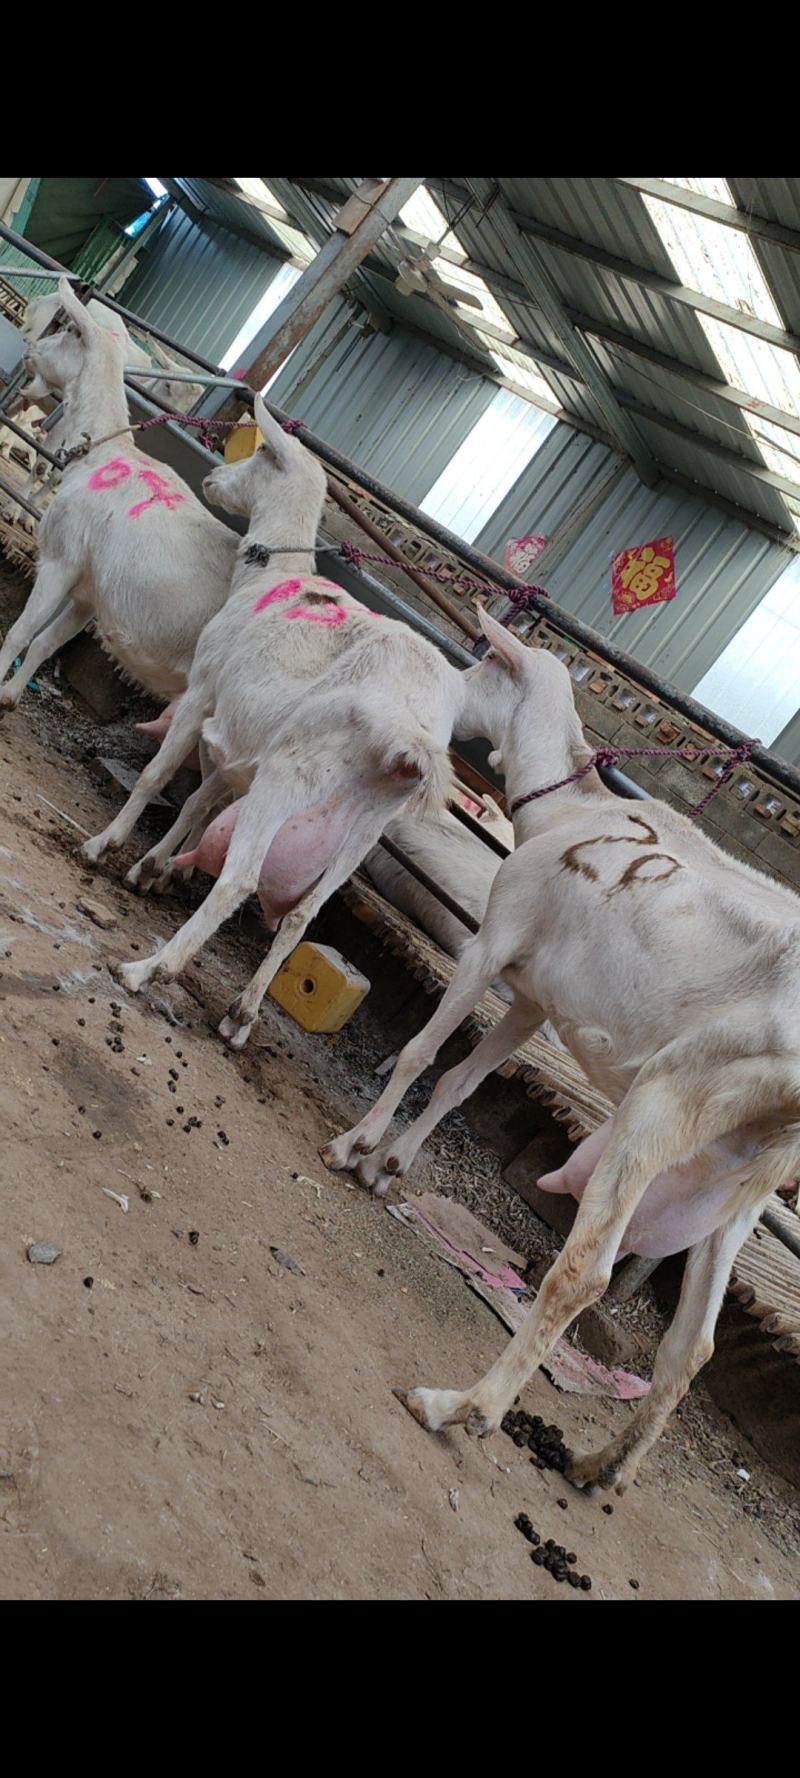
<point>685,1348</point>
<point>659,1124</point>
<point>180,736</point>
<point>238,1023</point>
<point>154,868</point>
<point>51,588</point>
<point>69,623</point>
<point>267,805</point>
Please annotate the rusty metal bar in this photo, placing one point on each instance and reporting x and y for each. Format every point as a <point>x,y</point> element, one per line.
<point>359,224</point>
<point>455,613</point>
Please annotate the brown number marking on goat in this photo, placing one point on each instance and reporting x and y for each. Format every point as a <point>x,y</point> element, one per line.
<point>630,875</point>
<point>571,861</point>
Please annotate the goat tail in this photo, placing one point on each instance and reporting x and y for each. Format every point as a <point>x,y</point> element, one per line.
<point>421,766</point>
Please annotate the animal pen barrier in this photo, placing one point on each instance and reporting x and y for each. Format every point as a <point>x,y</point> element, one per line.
<point>620,701</point>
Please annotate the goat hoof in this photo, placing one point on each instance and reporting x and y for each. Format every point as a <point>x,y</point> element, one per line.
<point>140,878</point>
<point>372,1174</point>
<point>92,851</point>
<point>432,1408</point>
<point>587,1474</point>
<point>340,1154</point>
<point>416,1408</point>
<point>133,976</point>
<point>234,1034</point>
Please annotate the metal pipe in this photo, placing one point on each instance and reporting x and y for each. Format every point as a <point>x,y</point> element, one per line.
<point>482,833</point>
<point>180,376</point>
<point>41,450</point>
<point>434,889</point>
<point>26,271</point>
<point>19,499</point>
<point>773,1222</point>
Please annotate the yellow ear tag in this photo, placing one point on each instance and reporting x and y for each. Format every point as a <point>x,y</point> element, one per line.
<point>241,442</point>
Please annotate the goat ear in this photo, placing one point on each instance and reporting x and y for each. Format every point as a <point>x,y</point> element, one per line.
<point>507,648</point>
<point>275,439</point>
<point>75,309</point>
<point>161,357</point>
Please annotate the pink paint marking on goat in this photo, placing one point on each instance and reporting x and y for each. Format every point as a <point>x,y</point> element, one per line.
<point>286,589</point>
<point>162,495</point>
<point>330,618</point>
<point>110,474</point>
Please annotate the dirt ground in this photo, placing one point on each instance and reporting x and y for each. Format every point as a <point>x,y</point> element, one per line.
<point>183,1416</point>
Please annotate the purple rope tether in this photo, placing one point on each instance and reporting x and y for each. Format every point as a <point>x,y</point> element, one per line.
<point>609,756</point>
<point>350,552</point>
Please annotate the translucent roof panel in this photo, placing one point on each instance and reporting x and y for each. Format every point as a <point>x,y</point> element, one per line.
<point>297,243</point>
<point>754,682</point>
<point>488,463</point>
<point>277,290</point>
<point>719,261</point>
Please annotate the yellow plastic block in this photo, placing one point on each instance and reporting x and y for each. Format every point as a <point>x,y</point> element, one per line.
<point>241,442</point>
<point>319,988</point>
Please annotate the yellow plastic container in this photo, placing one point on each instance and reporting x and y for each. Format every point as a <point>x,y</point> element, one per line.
<point>319,988</point>
<point>241,442</point>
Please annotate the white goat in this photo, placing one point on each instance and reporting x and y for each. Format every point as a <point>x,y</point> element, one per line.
<point>671,972</point>
<point>180,396</point>
<point>124,546</point>
<point>326,718</point>
<point>39,315</point>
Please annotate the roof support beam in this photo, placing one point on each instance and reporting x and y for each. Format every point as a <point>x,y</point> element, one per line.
<point>710,446</point>
<point>656,282</point>
<point>700,379</point>
<point>530,267</point>
<point>714,211</point>
<point>359,224</point>
<point>661,286</point>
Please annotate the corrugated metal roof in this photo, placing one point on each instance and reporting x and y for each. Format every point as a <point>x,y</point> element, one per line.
<point>723,568</point>
<point>391,402</point>
<point>230,211</point>
<point>612,218</point>
<point>199,283</point>
<point>779,201</point>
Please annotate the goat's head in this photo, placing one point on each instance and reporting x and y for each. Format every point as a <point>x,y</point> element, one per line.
<point>55,360</point>
<point>177,396</point>
<point>39,313</point>
<point>280,471</point>
<point>512,690</point>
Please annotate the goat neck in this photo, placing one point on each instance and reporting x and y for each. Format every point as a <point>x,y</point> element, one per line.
<point>95,403</point>
<point>542,754</point>
<point>288,528</point>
